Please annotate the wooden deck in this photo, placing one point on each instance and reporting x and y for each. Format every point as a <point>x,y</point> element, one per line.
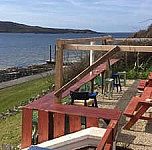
<point>51,117</point>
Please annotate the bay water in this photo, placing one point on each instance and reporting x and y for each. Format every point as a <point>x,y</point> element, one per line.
<point>24,49</point>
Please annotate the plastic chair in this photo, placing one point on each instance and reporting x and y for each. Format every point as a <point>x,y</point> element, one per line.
<point>84,96</point>
<point>108,87</point>
<point>116,82</point>
<point>123,74</point>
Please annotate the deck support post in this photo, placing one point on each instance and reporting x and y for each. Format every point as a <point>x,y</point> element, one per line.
<point>58,69</point>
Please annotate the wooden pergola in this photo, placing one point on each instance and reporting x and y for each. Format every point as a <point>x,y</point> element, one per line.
<point>79,44</point>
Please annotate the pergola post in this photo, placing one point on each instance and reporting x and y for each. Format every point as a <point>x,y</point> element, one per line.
<point>91,56</point>
<point>91,62</point>
<point>58,68</point>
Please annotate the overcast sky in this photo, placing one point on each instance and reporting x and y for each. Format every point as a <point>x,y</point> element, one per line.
<point>98,15</point>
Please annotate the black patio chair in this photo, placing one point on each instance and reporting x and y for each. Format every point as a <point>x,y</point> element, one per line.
<point>85,96</point>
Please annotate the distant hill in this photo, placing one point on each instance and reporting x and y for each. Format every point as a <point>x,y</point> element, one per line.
<point>144,33</point>
<point>12,27</point>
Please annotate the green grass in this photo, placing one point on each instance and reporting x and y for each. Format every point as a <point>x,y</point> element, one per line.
<point>9,97</point>
<point>10,130</point>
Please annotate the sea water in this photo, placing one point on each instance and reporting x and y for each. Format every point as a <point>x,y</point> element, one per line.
<point>23,49</point>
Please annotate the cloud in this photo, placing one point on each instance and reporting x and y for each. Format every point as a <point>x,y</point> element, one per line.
<point>73,2</point>
<point>96,14</point>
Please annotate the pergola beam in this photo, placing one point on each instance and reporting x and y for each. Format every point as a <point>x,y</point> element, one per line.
<point>132,39</point>
<point>125,48</point>
<point>85,40</point>
<point>102,38</point>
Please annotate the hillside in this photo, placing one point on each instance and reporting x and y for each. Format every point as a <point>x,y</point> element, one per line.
<point>144,33</point>
<point>12,27</point>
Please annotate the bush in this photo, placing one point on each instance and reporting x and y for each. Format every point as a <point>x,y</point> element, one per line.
<point>133,74</point>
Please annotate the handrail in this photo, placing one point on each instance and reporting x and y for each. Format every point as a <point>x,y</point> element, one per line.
<point>109,137</point>
<point>101,60</point>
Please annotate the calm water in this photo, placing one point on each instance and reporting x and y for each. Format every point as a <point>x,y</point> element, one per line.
<point>23,49</point>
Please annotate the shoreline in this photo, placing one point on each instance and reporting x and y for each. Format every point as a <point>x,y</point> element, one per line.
<point>18,72</point>
<point>24,79</point>
<point>9,67</point>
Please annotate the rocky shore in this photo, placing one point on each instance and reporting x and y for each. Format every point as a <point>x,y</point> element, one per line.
<point>17,72</point>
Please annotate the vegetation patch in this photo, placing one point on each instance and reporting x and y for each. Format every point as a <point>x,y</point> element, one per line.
<point>10,130</point>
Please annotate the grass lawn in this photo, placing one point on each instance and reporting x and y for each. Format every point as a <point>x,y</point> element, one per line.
<point>9,97</point>
<point>10,130</point>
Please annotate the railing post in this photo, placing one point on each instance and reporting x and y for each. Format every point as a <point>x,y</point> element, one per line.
<point>91,122</point>
<point>58,124</point>
<point>43,126</point>
<point>26,127</point>
<point>75,123</point>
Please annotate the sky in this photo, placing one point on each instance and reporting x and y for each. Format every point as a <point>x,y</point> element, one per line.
<point>98,15</point>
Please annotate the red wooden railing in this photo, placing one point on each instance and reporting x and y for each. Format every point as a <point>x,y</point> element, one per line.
<point>52,123</point>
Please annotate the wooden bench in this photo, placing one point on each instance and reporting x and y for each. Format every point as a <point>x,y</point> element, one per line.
<point>150,76</point>
<point>139,105</point>
<point>132,106</point>
<point>142,85</point>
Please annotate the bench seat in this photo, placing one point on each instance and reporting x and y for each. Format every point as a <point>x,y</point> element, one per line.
<point>132,106</point>
<point>150,76</point>
<point>142,85</point>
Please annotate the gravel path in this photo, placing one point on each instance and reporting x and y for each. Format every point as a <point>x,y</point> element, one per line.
<point>139,137</point>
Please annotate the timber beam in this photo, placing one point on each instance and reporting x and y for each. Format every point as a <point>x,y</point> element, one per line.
<point>132,39</point>
<point>85,40</point>
<point>124,48</point>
